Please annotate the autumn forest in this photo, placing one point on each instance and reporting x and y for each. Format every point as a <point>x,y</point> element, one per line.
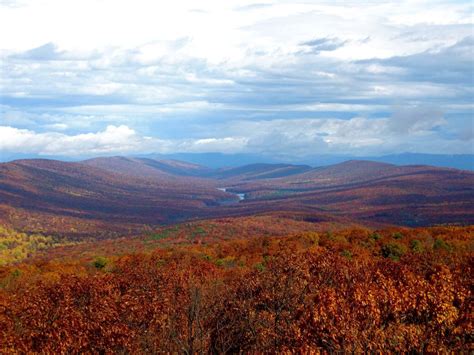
<point>122,255</point>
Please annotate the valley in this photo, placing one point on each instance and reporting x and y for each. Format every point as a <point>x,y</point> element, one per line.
<point>118,195</point>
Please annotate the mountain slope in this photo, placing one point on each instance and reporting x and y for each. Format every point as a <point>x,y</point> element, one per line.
<point>63,190</point>
<point>377,192</point>
<point>344,174</point>
<point>147,168</point>
<point>259,171</point>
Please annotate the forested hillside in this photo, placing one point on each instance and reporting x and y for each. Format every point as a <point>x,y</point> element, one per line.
<point>116,196</point>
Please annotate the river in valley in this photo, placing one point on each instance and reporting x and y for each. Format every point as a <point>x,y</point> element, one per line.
<point>239,195</point>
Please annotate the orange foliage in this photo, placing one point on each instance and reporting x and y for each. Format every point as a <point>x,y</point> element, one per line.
<point>342,291</point>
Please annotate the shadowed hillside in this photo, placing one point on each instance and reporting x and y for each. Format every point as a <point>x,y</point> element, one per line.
<point>259,171</point>
<point>376,192</point>
<point>60,193</point>
<point>144,167</point>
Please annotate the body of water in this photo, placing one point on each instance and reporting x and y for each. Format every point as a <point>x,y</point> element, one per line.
<point>239,195</point>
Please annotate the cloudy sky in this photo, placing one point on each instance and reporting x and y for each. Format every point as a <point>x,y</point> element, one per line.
<point>285,78</point>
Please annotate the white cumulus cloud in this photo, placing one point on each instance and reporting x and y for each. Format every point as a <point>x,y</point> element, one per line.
<point>114,139</point>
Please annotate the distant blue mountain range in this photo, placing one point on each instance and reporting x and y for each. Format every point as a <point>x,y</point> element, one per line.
<point>461,161</point>
<point>219,160</point>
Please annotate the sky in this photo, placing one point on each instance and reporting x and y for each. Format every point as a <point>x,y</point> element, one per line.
<point>278,78</point>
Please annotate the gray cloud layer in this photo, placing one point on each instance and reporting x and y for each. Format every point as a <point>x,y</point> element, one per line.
<point>278,89</point>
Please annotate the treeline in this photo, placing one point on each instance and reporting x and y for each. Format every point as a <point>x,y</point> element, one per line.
<point>353,290</point>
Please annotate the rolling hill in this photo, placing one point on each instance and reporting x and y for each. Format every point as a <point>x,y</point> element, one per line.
<point>258,172</point>
<point>349,173</point>
<point>118,194</point>
<point>60,195</point>
<point>147,168</point>
<point>375,192</point>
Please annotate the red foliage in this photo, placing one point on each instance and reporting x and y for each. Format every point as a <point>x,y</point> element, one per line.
<point>307,291</point>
